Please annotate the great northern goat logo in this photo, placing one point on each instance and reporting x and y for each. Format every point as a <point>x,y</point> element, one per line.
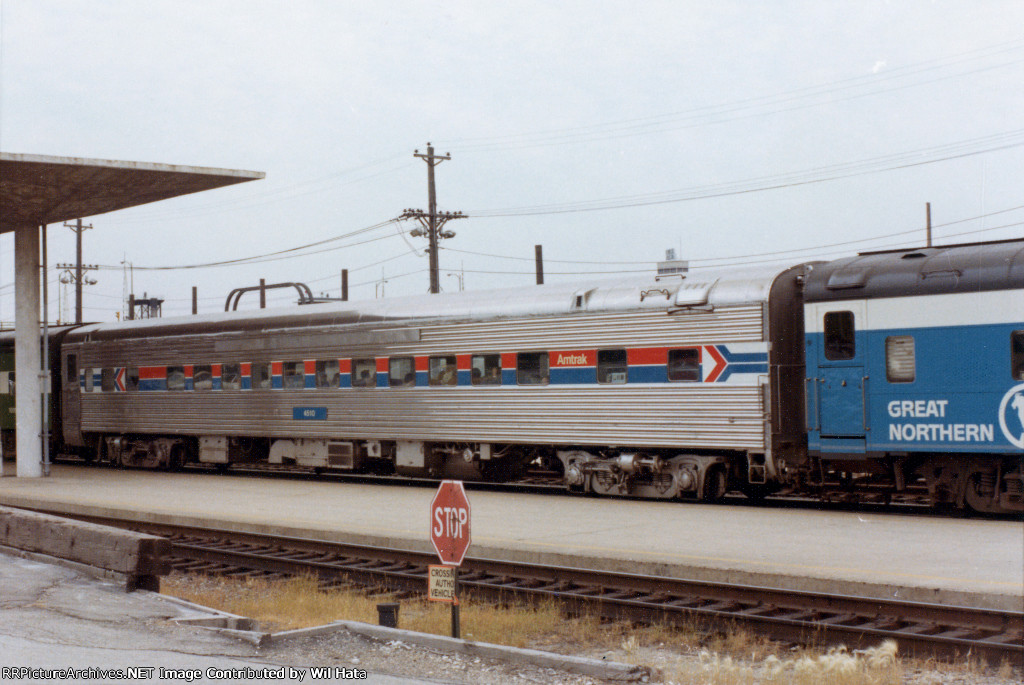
<point>1012,422</point>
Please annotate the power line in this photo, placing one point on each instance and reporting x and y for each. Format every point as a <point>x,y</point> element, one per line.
<point>257,198</point>
<point>273,256</point>
<point>903,160</point>
<point>699,116</point>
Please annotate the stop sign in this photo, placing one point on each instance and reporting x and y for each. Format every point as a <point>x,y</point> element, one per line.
<point>449,522</point>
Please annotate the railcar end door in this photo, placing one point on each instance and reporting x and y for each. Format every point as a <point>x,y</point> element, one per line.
<point>71,400</point>
<point>842,384</point>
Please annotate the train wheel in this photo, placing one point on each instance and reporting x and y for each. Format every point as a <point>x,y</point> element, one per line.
<point>176,459</point>
<point>713,488</point>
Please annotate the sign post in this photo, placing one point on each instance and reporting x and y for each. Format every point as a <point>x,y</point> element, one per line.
<point>449,533</point>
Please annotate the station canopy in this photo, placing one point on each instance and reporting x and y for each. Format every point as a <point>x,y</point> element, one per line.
<point>40,189</point>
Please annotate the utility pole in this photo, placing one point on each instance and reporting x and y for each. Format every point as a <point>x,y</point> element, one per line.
<point>79,278</point>
<point>928,223</point>
<point>431,221</point>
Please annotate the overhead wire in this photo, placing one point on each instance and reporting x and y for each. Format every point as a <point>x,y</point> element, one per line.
<point>259,198</point>
<point>698,116</point>
<point>271,256</point>
<point>892,162</point>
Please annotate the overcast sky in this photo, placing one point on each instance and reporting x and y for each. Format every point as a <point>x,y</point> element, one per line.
<point>608,132</point>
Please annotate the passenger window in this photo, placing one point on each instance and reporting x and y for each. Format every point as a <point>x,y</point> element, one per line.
<point>131,379</point>
<point>899,359</point>
<point>532,368</point>
<point>611,366</point>
<point>328,374</point>
<point>72,368</point>
<point>202,377</point>
<point>230,377</point>
<point>485,369</point>
<point>442,370</point>
<point>684,365</point>
<point>401,372</point>
<point>364,373</point>
<point>293,375</point>
<point>86,377</point>
<point>107,380</point>
<point>839,338</point>
<point>261,377</point>
<point>1017,355</point>
<point>176,378</point>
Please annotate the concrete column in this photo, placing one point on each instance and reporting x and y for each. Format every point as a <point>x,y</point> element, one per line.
<point>28,386</point>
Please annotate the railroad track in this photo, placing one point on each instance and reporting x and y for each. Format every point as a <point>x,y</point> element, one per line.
<point>920,629</point>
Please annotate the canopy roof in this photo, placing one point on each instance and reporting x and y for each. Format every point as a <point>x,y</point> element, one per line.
<point>40,189</point>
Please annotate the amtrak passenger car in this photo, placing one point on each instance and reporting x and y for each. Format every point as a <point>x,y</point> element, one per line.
<point>652,387</point>
<point>915,365</point>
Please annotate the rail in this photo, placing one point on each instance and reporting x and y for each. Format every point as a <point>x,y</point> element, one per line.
<point>920,629</point>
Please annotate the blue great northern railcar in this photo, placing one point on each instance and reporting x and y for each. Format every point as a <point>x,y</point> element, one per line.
<point>915,368</point>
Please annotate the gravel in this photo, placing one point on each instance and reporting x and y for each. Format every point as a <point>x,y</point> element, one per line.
<point>666,665</point>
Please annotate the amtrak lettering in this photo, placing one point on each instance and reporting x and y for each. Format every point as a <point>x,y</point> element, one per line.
<point>573,360</point>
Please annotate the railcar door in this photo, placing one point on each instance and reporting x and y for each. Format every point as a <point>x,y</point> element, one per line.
<point>71,400</point>
<point>842,385</point>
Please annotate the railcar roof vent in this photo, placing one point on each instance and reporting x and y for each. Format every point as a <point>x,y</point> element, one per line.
<point>914,255</point>
<point>850,277</point>
<point>580,299</point>
<point>694,293</point>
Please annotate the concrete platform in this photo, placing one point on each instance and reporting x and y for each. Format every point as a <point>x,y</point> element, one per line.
<point>971,562</point>
<point>53,619</point>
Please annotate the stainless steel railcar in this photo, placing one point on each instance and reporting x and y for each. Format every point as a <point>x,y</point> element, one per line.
<point>650,387</point>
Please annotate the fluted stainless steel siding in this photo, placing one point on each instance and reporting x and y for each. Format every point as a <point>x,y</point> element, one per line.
<point>695,415</point>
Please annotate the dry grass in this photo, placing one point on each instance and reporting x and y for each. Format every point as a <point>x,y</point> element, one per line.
<point>734,658</point>
<point>876,666</point>
<point>301,603</point>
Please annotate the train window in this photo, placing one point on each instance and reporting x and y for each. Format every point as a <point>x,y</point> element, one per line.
<point>486,369</point>
<point>401,372</point>
<point>684,365</point>
<point>532,368</point>
<point>175,377</point>
<point>72,367</point>
<point>899,359</point>
<point>230,377</point>
<point>293,375</point>
<point>328,373</point>
<point>839,338</point>
<point>202,377</point>
<point>611,366</point>
<point>131,379</point>
<point>364,373</point>
<point>1017,355</point>
<point>6,383</point>
<point>107,380</point>
<point>442,370</point>
<point>261,376</point>
<point>86,377</point>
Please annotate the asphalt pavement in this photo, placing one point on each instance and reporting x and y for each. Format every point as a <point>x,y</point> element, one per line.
<point>57,625</point>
